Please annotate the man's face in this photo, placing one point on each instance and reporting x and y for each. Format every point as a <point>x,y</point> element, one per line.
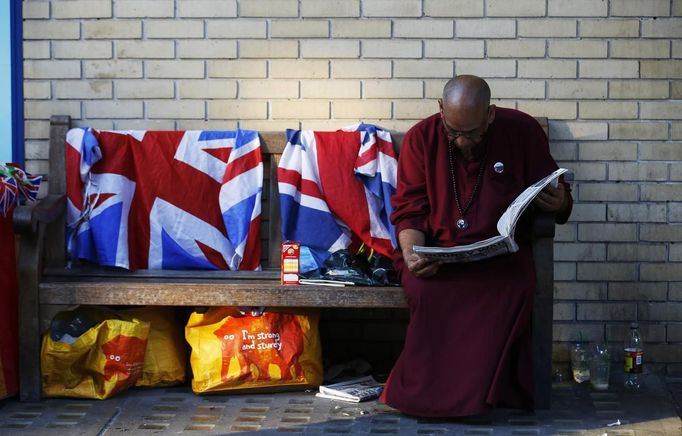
<point>465,127</point>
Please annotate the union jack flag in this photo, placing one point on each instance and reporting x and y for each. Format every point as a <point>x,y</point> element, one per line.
<point>335,189</point>
<point>164,199</point>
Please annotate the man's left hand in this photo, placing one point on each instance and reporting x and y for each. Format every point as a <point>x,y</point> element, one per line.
<point>552,199</point>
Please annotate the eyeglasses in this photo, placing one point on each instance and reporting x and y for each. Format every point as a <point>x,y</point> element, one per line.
<point>473,135</point>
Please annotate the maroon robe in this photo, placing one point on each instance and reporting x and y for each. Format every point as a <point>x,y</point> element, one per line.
<point>468,344</point>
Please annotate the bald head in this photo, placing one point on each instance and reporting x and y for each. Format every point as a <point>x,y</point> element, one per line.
<point>466,92</point>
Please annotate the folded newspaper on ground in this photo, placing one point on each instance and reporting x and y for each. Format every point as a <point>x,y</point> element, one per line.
<point>497,245</point>
<point>353,390</point>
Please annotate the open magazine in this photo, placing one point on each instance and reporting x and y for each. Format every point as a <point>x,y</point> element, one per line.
<point>353,390</point>
<point>500,244</point>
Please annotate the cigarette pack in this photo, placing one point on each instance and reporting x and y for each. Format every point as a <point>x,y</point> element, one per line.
<point>291,252</point>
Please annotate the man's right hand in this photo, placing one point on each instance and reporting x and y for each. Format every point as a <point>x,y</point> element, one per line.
<point>418,265</point>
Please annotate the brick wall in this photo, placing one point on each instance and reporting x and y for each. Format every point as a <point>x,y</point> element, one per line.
<point>608,74</point>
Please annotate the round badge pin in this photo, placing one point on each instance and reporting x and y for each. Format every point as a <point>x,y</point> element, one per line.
<point>498,167</point>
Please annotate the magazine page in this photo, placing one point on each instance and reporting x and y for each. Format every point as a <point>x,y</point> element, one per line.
<point>355,390</point>
<point>507,222</point>
<point>469,253</point>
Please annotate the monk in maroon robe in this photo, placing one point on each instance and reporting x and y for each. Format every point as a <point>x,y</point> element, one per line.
<point>468,344</point>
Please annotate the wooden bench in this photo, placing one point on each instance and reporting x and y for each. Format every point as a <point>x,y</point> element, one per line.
<point>46,286</point>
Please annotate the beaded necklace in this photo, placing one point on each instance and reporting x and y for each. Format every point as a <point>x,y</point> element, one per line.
<point>462,223</point>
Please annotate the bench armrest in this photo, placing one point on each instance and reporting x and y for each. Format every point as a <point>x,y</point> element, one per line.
<point>46,211</point>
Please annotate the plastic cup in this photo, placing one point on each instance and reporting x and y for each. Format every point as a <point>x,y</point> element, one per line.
<point>600,367</point>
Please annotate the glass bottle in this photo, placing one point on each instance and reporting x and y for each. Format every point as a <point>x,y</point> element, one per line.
<point>633,353</point>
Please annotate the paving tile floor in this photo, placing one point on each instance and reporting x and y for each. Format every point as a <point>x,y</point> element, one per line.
<point>576,410</point>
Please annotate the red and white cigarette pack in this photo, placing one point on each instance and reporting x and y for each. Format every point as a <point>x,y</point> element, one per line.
<point>291,253</point>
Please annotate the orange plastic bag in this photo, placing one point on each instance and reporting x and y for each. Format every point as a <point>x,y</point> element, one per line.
<point>165,360</point>
<point>105,360</point>
<point>236,350</point>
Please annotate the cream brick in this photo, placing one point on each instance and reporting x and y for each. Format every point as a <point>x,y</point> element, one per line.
<point>423,28</point>
<point>661,110</point>
<point>83,89</point>
<point>52,69</point>
<point>577,8</point>
<point>553,27</point>
<point>638,89</point>
<point>640,49</point>
<point>268,8</point>
<point>237,109</point>
<point>675,88</point>
<point>50,30</point>
<point>207,8</point>
<point>487,68</point>
<point>207,49</point>
<point>526,48</point>
<point>676,173</point>
<point>414,109</point>
<point>562,150</point>
<point>571,333</point>
<point>323,9</point>
<point>636,252</point>
<point>423,68</point>
<point>579,252</point>
<point>607,311</point>
<point>238,29</point>
<point>144,89</point>
<point>174,28</point>
<point>661,272</point>
<point>175,69</point>
<point>207,89</point>
<point>247,69</point>
<point>175,109</point>
<point>676,253</point>
<point>556,110</point>
<point>310,29</point>
<point>392,8</point>
<point>677,8</point>
<point>609,28</point>
<point>579,291</point>
<point>33,10</point>
<point>434,88</point>
<point>37,90</point>
<point>268,49</point>
<point>38,167</point>
<point>577,130</point>
<point>608,192</point>
<point>36,49</point>
<point>602,110</point>
<point>81,9</point>
<point>652,333</point>
<point>392,89</point>
<point>453,8</point>
<point>588,171</point>
<point>638,171</point>
<point>578,49</point>
<point>546,68</point>
<point>391,49</point>
<point>521,8</point>
<point>34,109</point>
<point>588,212</point>
<point>144,8</point>
<point>113,109</point>
<point>371,28</point>
<point>515,88</point>
<point>297,68</point>
<point>296,110</point>
<point>661,28</point>
<point>489,28</point>
<point>112,29</point>
<point>636,8</point>
<point>36,150</point>
<point>112,69</point>
<point>639,131</point>
<point>677,49</point>
<point>149,49</point>
<point>268,89</point>
<point>146,125</point>
<point>269,125</point>
<point>662,232</point>
<point>662,192</point>
<point>330,89</point>
<point>607,232</point>
<point>454,49</point>
<point>207,125</point>
<point>577,89</point>
<point>636,213</point>
<point>661,69</point>
<point>361,109</point>
<point>566,232</point>
<point>82,49</point>
<point>360,69</point>
<point>609,151</point>
<point>564,311</point>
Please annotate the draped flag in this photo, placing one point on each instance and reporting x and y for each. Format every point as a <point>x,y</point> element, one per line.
<point>164,199</point>
<point>336,187</point>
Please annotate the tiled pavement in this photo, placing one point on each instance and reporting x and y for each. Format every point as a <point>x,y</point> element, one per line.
<point>576,410</point>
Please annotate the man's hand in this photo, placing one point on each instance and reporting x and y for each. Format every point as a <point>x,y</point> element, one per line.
<point>420,266</point>
<point>552,199</point>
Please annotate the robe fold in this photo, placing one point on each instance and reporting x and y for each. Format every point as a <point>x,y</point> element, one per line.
<point>468,344</point>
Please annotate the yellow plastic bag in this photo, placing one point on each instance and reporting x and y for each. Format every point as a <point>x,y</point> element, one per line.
<point>100,363</point>
<point>165,360</point>
<point>235,350</point>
